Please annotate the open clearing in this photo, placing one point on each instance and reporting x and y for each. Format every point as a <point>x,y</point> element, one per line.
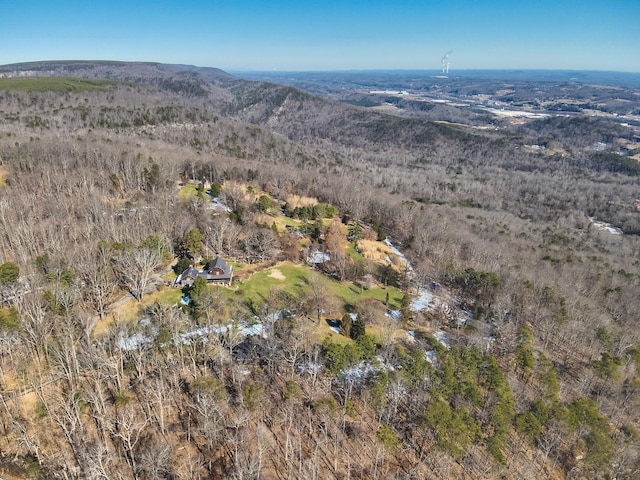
<point>288,276</point>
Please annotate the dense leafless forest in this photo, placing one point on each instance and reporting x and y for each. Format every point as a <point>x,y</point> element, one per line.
<point>116,177</point>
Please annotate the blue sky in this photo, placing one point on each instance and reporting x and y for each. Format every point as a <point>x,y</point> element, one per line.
<point>239,35</point>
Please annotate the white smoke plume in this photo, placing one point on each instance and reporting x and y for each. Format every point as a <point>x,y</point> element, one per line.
<point>446,62</point>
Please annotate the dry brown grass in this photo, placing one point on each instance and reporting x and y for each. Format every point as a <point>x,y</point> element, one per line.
<point>380,253</point>
<point>263,219</point>
<point>9,379</point>
<point>28,403</point>
<point>9,476</point>
<point>300,201</point>
<point>128,308</point>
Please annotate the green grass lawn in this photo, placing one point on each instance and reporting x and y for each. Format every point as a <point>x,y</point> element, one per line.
<point>355,255</point>
<point>167,296</point>
<point>350,294</point>
<point>287,276</point>
<point>188,191</point>
<point>282,222</point>
<point>56,84</point>
<point>294,278</point>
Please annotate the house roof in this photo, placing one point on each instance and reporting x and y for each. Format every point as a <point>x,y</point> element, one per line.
<point>219,262</point>
<point>210,272</point>
<point>190,272</point>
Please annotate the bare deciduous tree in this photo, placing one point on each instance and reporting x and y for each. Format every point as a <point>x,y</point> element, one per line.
<point>135,267</point>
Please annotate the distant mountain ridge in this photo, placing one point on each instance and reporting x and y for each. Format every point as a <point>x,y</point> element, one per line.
<point>92,68</point>
<point>424,131</point>
<point>286,110</point>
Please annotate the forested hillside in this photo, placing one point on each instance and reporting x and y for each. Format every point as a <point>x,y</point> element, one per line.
<point>410,299</point>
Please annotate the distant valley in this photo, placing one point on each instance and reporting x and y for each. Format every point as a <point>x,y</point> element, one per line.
<point>511,94</point>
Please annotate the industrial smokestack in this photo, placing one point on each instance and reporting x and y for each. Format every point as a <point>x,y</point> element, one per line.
<point>445,62</point>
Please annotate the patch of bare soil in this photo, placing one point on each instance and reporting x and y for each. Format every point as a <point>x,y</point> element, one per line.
<point>277,274</point>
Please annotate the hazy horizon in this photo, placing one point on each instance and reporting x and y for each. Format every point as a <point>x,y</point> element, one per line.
<point>432,71</point>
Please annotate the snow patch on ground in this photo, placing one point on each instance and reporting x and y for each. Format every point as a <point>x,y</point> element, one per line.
<point>310,367</point>
<point>320,257</point>
<point>366,369</point>
<point>218,205</point>
<point>423,302</point>
<point>194,336</point>
<point>141,340</point>
<point>426,301</point>
<point>606,227</point>
<point>400,255</point>
<point>358,372</point>
<point>431,356</point>
<point>395,314</point>
<point>254,329</point>
<point>442,338</point>
<point>134,342</point>
<point>202,333</point>
<point>334,326</point>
